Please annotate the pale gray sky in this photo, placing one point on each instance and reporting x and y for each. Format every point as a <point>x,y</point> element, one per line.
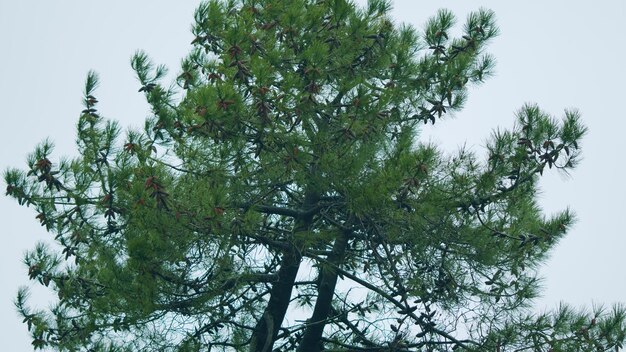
<point>559,54</point>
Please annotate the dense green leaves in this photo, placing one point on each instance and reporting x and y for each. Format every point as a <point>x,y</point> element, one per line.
<point>285,176</point>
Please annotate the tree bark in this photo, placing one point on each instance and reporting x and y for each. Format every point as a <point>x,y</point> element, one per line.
<point>311,340</point>
<point>267,327</point>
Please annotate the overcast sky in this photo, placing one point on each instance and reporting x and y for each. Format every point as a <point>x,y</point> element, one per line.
<point>559,54</point>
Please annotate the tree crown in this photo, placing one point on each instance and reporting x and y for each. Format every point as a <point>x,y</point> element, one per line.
<point>288,177</point>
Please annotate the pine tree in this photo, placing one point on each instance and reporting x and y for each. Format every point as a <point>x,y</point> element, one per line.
<point>283,176</point>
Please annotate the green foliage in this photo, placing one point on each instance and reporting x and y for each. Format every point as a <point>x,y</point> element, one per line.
<point>290,173</point>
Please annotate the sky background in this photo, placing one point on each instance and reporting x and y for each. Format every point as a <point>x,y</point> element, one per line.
<point>559,54</point>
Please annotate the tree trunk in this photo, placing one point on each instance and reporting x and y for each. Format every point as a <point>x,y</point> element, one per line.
<point>267,327</point>
<point>311,341</point>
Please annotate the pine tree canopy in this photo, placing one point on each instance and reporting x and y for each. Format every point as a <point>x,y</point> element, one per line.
<point>279,198</point>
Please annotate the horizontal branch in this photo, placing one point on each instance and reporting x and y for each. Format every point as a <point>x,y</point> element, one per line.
<point>270,209</point>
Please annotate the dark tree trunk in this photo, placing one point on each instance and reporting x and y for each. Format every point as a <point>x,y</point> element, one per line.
<point>267,327</point>
<point>311,341</point>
